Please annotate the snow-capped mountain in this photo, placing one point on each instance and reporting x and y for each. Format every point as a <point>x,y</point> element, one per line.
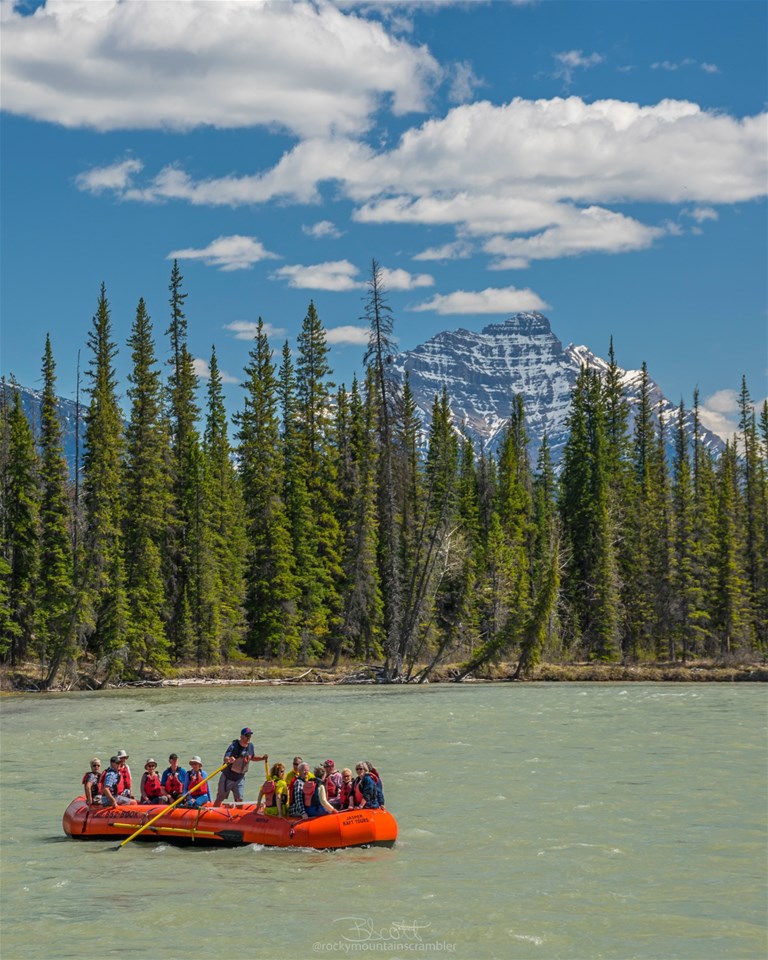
<point>483,371</point>
<point>30,404</point>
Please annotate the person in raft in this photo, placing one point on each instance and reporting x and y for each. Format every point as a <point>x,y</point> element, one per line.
<point>111,785</point>
<point>273,796</point>
<point>198,791</point>
<point>91,781</point>
<point>345,794</point>
<point>122,756</point>
<point>364,792</point>
<point>332,784</point>
<point>315,796</point>
<point>296,790</point>
<point>151,785</point>
<point>239,754</point>
<point>174,779</point>
<point>293,772</point>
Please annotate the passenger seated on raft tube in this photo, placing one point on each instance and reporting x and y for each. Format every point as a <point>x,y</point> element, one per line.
<point>112,785</point>
<point>315,797</point>
<point>273,796</point>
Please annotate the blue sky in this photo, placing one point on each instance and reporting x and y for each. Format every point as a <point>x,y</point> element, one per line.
<point>605,163</point>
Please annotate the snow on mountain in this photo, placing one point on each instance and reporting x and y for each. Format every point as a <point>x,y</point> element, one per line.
<point>30,403</point>
<point>483,371</point>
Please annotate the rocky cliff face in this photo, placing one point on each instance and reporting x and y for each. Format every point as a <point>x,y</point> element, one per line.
<point>483,371</point>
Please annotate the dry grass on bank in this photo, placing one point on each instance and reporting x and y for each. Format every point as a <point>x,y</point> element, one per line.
<point>27,677</point>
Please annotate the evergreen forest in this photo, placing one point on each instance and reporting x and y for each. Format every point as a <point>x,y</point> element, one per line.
<point>320,524</point>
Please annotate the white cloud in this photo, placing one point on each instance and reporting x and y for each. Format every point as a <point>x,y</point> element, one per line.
<point>464,83</point>
<point>341,275</point>
<point>720,413</point>
<point>591,230</point>
<point>570,60</point>
<point>491,300</point>
<point>247,329</point>
<point>203,370</point>
<point>700,214</point>
<point>310,68</point>
<point>710,68</point>
<point>117,177</point>
<point>335,275</point>
<point>457,250</point>
<point>227,253</point>
<point>517,169</point>
<point>358,336</point>
<point>322,230</point>
<point>402,280</point>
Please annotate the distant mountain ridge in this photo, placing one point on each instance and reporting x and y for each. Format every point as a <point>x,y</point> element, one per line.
<point>483,371</point>
<point>30,403</point>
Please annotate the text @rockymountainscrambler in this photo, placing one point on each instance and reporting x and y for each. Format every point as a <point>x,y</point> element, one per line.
<point>363,935</point>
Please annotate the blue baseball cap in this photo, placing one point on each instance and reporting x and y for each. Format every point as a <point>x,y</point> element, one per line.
<point>246,732</point>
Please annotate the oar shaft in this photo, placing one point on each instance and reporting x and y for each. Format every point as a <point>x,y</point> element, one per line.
<point>170,806</point>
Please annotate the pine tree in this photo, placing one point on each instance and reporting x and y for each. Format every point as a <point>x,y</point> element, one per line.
<point>363,606</point>
<point>183,411</point>
<point>21,516</point>
<point>104,618</point>
<point>661,560</point>
<point>749,464</point>
<point>592,588</point>
<point>704,533</point>
<point>378,357</point>
<point>147,501</point>
<point>226,519</point>
<point>732,622</point>
<point>319,567</point>
<point>54,589</point>
<point>689,617</point>
<point>639,585</point>
<point>272,592</point>
<point>541,627</point>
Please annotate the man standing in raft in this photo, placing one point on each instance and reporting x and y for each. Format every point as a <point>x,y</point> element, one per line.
<point>239,754</point>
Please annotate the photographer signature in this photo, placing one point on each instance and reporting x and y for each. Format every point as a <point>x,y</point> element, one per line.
<point>363,930</point>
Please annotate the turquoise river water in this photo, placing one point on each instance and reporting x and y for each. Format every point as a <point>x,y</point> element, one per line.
<point>537,822</point>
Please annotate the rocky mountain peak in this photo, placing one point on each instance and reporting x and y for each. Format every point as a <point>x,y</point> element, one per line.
<point>483,371</point>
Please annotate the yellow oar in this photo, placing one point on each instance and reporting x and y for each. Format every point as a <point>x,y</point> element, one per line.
<point>170,807</point>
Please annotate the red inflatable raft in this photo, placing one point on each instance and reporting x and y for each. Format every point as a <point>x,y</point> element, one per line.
<point>230,825</point>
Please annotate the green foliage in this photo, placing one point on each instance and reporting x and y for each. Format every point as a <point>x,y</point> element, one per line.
<point>54,588</point>
<point>340,526</point>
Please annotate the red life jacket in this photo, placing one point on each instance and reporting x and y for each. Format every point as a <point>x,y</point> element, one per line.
<point>125,773</point>
<point>344,793</point>
<point>268,795</point>
<point>331,788</point>
<point>193,784</point>
<point>357,791</point>
<point>173,784</point>
<point>152,787</point>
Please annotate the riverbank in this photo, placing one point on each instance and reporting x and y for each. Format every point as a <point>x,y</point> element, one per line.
<point>27,678</point>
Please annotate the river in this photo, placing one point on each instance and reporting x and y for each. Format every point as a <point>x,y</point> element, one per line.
<point>537,822</point>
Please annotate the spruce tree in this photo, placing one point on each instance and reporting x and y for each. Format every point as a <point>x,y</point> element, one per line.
<point>363,607</point>
<point>181,587</point>
<point>226,519</point>
<point>147,500</point>
<point>272,592</point>
<point>21,516</point>
<point>731,620</point>
<point>378,357</point>
<point>320,570</point>
<point>54,590</point>
<point>104,605</point>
